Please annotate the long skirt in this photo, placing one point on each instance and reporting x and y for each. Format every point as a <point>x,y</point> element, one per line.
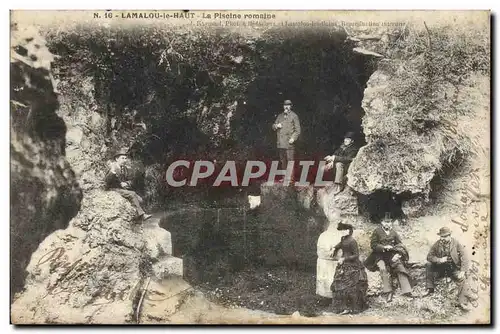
<point>349,288</point>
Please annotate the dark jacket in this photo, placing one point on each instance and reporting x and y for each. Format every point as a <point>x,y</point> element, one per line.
<point>115,176</point>
<point>378,240</point>
<point>345,154</point>
<point>290,129</point>
<point>457,254</point>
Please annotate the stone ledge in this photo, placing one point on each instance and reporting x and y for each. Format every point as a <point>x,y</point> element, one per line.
<point>168,267</point>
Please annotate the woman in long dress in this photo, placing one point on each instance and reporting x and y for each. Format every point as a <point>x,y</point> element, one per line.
<point>350,281</point>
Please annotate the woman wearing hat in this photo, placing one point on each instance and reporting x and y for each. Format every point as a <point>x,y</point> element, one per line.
<point>350,282</point>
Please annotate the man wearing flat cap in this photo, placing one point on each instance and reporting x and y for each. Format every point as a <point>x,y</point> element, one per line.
<point>118,179</point>
<point>287,127</point>
<point>447,258</point>
<point>341,159</point>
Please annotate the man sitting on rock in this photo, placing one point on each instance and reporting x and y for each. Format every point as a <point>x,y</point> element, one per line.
<point>447,258</point>
<point>117,179</point>
<point>341,159</point>
<point>389,256</point>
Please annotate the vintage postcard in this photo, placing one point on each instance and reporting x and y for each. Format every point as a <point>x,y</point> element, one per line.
<point>250,167</point>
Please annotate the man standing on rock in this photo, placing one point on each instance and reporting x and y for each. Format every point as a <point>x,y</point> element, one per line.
<point>117,179</point>
<point>287,127</point>
<point>389,256</point>
<point>341,159</point>
<point>447,258</point>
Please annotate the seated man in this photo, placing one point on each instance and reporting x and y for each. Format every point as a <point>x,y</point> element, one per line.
<point>117,179</point>
<point>447,258</point>
<point>389,256</point>
<point>341,159</point>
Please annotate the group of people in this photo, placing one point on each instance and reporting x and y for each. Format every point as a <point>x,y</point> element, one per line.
<point>446,258</point>
<point>287,127</point>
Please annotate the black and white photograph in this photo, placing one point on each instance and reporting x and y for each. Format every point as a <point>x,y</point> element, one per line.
<point>257,167</point>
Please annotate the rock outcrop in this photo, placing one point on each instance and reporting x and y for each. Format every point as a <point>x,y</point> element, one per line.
<point>86,143</point>
<point>95,270</point>
<point>44,192</point>
<point>424,110</point>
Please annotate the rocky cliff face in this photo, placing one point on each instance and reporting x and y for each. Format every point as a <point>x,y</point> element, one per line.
<point>86,147</point>
<point>426,116</point>
<point>426,108</point>
<point>44,191</point>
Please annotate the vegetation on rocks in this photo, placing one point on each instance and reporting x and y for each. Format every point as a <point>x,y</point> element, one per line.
<point>200,94</point>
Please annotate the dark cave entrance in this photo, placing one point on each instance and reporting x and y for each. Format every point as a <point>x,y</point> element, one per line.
<point>325,79</point>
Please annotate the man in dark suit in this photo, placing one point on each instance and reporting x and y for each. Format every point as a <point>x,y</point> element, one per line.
<point>341,159</point>
<point>389,256</point>
<point>117,179</point>
<point>447,258</point>
<point>287,127</point>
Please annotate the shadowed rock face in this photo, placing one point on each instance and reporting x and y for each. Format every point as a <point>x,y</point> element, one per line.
<point>44,192</point>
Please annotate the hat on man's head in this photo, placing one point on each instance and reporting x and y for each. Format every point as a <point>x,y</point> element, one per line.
<point>287,103</point>
<point>444,231</point>
<point>120,152</point>
<point>341,227</point>
<point>349,134</point>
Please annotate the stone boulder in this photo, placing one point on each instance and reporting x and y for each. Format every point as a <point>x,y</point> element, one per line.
<point>44,192</point>
<point>393,158</point>
<point>93,271</point>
